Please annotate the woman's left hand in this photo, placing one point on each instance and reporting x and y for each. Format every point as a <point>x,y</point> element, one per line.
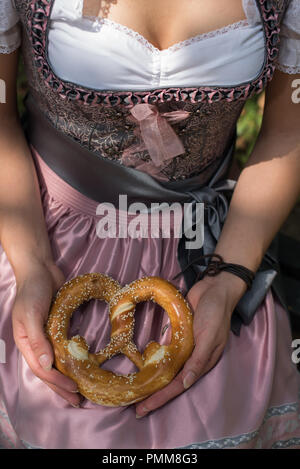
<point>213,300</point>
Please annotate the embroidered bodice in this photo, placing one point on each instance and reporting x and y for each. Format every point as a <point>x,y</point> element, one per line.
<point>88,73</point>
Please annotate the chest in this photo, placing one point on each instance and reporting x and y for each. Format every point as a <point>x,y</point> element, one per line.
<point>48,38</point>
<point>164,23</point>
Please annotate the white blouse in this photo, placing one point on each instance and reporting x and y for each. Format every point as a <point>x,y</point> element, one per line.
<point>102,54</point>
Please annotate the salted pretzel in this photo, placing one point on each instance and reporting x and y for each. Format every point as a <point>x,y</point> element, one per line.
<point>158,365</point>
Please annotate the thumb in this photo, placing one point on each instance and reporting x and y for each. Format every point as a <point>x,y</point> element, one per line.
<point>38,342</point>
<point>31,311</point>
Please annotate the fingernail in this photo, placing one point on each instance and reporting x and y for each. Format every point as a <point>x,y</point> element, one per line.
<point>75,405</point>
<point>45,362</point>
<point>189,380</point>
<point>140,416</point>
<point>75,390</point>
<point>144,411</point>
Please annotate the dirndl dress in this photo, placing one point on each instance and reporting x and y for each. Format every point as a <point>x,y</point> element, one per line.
<point>250,399</point>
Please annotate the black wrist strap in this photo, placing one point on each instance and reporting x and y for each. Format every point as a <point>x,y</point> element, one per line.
<point>214,267</point>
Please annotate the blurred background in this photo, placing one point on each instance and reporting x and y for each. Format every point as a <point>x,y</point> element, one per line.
<point>289,237</point>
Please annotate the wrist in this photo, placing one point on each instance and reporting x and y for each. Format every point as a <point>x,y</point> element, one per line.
<point>25,247</point>
<point>29,263</point>
<point>24,237</point>
<point>233,286</point>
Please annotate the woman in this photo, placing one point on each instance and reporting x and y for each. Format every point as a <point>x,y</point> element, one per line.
<point>90,67</point>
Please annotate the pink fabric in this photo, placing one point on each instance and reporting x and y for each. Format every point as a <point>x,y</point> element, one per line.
<point>250,399</point>
<point>158,137</point>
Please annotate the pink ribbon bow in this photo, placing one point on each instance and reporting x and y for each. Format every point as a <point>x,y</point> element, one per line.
<point>158,136</point>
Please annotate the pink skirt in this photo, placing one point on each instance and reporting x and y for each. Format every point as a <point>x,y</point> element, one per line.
<point>250,399</point>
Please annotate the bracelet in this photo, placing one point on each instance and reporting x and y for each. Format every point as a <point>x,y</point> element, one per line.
<point>216,266</point>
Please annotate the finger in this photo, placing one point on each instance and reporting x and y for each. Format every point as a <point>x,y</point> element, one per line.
<point>52,376</point>
<point>175,388</point>
<point>160,398</point>
<point>216,357</point>
<point>29,316</point>
<point>201,361</point>
<point>177,385</point>
<point>33,322</point>
<point>74,399</point>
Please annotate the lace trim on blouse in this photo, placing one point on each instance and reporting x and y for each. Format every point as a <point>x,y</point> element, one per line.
<point>179,45</point>
<point>288,69</point>
<point>10,40</point>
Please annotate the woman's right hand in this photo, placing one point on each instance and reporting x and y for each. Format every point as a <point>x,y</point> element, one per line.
<point>30,312</point>
<point>23,233</point>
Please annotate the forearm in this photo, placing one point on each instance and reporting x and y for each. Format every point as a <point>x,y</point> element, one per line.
<point>23,233</point>
<point>266,191</point>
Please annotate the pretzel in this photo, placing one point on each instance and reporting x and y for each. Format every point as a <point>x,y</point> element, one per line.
<point>158,365</point>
